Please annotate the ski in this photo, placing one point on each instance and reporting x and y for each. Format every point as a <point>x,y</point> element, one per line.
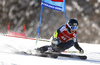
<point>83,57</point>
<point>74,56</point>
<point>57,54</point>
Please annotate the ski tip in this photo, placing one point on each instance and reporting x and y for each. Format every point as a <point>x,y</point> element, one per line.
<point>83,57</point>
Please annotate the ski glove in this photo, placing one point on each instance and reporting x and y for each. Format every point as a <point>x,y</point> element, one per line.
<point>55,41</point>
<point>81,50</point>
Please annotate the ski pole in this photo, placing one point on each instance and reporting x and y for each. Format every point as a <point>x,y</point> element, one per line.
<point>71,51</point>
<point>44,40</point>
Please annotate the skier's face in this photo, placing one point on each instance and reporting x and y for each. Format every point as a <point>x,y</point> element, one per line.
<point>74,27</point>
<point>72,31</point>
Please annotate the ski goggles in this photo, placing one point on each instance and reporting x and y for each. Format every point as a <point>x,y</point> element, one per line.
<point>74,27</point>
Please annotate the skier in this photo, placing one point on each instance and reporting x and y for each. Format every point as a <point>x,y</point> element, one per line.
<point>63,38</point>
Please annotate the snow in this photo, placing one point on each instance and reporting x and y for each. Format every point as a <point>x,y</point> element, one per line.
<point>11,47</point>
<point>99,1</point>
<point>80,9</point>
<point>69,8</point>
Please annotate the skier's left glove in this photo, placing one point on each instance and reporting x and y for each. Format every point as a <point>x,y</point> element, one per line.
<point>55,41</point>
<point>81,50</point>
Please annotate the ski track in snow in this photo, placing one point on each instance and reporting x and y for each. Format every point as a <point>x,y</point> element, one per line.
<point>11,47</point>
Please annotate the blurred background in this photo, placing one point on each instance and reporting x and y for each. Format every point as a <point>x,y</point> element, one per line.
<point>27,12</point>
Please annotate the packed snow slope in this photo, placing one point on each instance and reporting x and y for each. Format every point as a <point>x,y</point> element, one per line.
<point>11,47</point>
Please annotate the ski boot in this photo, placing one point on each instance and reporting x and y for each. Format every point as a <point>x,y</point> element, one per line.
<point>43,51</point>
<point>50,50</point>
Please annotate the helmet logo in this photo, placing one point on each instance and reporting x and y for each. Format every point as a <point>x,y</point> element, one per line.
<point>74,34</point>
<point>74,24</point>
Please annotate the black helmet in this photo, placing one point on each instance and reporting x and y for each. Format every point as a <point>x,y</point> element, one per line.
<point>73,24</point>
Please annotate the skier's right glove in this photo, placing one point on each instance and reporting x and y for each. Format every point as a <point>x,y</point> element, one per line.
<point>81,50</point>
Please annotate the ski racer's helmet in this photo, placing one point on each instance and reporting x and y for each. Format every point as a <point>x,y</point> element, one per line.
<point>73,24</point>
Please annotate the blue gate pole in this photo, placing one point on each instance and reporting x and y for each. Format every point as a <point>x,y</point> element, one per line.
<point>39,24</point>
<point>65,11</point>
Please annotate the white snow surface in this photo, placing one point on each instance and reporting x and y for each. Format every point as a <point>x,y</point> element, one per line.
<point>10,48</point>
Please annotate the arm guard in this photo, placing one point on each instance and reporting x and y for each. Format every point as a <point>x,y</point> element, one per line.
<point>55,34</point>
<point>78,47</point>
